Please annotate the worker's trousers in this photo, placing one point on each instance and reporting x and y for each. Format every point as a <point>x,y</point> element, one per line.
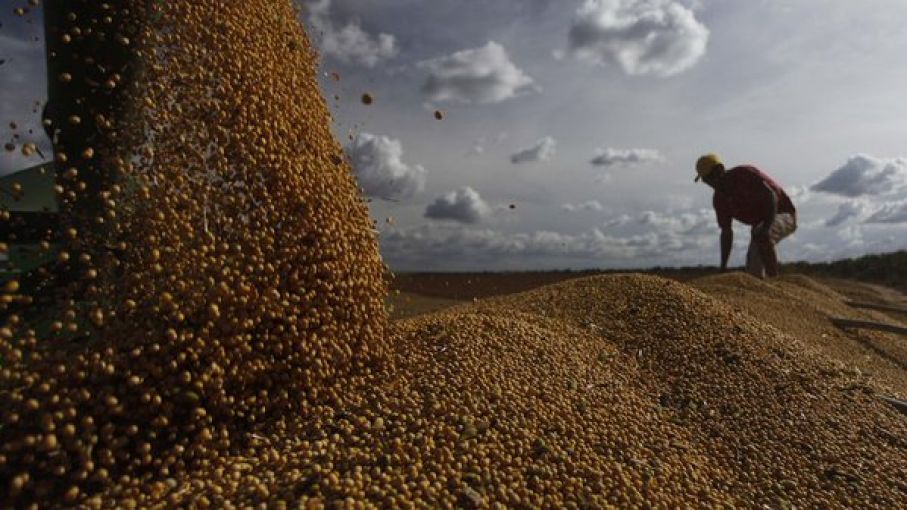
<point>784,225</point>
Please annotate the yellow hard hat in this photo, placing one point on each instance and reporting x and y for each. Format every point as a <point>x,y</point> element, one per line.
<point>705,165</point>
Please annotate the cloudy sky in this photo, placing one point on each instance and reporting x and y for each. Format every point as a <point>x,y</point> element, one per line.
<point>568,129</point>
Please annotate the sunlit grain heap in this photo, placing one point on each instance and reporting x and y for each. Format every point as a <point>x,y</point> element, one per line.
<point>224,341</point>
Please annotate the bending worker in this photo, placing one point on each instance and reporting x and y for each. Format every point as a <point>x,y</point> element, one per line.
<point>744,193</point>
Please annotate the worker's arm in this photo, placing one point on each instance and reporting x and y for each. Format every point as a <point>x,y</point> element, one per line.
<point>727,242</point>
<point>762,229</point>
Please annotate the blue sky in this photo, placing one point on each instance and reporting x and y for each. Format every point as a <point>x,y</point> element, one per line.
<point>570,128</point>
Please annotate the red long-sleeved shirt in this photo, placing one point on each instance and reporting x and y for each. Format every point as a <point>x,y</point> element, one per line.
<point>744,198</point>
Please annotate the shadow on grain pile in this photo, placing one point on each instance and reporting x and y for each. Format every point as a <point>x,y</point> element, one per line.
<point>800,307</point>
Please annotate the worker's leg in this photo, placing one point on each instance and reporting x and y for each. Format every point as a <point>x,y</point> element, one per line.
<point>783,226</point>
<point>767,253</point>
<point>754,264</point>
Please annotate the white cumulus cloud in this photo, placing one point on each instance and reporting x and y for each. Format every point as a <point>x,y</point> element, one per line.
<point>847,211</point>
<point>478,75</point>
<point>642,37</point>
<point>892,212</point>
<point>852,235</point>
<point>348,42</point>
<point>439,246</point>
<point>377,162</point>
<point>426,244</point>
<point>464,205</point>
<point>618,221</point>
<point>799,194</point>
<point>866,175</point>
<point>542,150</point>
<point>611,157</point>
<point>697,222</point>
<point>588,205</point>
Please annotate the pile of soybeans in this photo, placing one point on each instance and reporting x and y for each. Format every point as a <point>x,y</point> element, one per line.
<point>237,352</point>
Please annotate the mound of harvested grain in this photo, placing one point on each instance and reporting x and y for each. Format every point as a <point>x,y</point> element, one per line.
<point>781,423</point>
<point>623,391</point>
<point>475,408</point>
<point>801,307</point>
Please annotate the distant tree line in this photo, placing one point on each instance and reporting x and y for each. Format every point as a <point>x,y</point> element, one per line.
<point>889,269</point>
